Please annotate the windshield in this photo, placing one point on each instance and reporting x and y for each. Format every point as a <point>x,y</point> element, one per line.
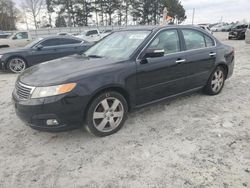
<point>30,45</point>
<point>119,45</point>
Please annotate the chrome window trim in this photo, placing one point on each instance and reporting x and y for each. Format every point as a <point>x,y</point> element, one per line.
<point>215,43</point>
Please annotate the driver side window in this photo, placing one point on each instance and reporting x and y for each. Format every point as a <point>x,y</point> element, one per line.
<point>22,35</point>
<point>167,41</point>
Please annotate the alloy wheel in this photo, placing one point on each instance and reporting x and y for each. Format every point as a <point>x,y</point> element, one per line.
<point>217,81</point>
<point>17,65</point>
<point>108,114</point>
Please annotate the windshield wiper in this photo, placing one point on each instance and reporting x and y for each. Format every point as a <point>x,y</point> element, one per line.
<point>94,56</point>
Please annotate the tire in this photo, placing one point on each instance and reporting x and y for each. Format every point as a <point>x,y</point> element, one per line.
<point>102,118</point>
<point>16,65</point>
<point>216,81</point>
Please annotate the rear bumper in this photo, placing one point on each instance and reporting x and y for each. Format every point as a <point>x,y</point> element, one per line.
<point>230,69</point>
<point>67,111</point>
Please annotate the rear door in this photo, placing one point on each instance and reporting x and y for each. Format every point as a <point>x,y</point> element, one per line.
<point>200,57</point>
<point>68,46</point>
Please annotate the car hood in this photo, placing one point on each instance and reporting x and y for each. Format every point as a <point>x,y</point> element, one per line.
<point>64,70</point>
<point>12,50</point>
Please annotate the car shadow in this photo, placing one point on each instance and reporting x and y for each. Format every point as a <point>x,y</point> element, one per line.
<point>150,110</point>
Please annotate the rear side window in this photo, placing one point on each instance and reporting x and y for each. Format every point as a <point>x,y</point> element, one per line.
<point>209,41</point>
<point>69,41</point>
<point>196,40</point>
<point>168,41</point>
<point>51,42</point>
<point>193,39</point>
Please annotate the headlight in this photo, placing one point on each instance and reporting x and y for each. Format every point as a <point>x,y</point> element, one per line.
<point>40,92</point>
<point>1,56</point>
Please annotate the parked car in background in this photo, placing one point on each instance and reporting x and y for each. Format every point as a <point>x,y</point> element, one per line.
<point>238,32</point>
<point>206,28</point>
<point>128,69</point>
<point>227,28</point>
<point>41,50</point>
<point>93,35</point>
<point>248,35</point>
<point>4,35</point>
<point>16,39</point>
<point>64,34</point>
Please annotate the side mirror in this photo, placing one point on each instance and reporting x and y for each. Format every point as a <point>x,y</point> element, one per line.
<point>14,38</point>
<point>39,47</point>
<point>152,53</point>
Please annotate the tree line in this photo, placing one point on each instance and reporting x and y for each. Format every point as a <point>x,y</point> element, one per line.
<point>114,12</point>
<point>8,14</point>
<point>95,12</point>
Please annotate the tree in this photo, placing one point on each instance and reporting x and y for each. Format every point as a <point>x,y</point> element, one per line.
<point>34,7</point>
<point>110,6</point>
<point>175,10</point>
<point>8,15</point>
<point>50,10</point>
<point>83,9</point>
<point>60,21</point>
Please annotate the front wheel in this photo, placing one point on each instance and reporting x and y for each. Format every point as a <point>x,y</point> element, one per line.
<point>216,81</point>
<point>16,65</point>
<point>106,114</point>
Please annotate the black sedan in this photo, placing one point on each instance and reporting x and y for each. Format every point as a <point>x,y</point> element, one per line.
<point>128,69</point>
<point>41,50</point>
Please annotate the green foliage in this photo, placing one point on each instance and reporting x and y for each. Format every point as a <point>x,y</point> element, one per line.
<point>60,21</point>
<point>110,12</point>
<point>7,15</point>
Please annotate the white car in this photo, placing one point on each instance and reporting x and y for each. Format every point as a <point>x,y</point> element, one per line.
<point>93,35</point>
<point>16,39</point>
<point>248,35</point>
<point>206,28</point>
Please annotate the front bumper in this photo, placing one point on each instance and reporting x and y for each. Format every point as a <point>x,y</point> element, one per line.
<point>236,35</point>
<point>68,111</point>
<point>2,65</point>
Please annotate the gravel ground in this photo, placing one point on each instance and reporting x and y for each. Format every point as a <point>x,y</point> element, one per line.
<point>194,141</point>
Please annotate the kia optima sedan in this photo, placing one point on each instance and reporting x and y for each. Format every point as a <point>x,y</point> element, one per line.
<point>126,70</point>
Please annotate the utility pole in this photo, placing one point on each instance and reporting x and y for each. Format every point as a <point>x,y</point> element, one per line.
<point>193,16</point>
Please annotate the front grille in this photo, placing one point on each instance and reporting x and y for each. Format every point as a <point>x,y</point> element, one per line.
<point>23,91</point>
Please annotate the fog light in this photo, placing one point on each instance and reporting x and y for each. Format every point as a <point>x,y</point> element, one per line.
<point>52,122</point>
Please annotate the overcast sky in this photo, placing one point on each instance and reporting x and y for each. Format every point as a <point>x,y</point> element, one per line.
<point>209,11</point>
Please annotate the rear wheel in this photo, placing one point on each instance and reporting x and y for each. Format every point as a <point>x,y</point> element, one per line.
<point>106,114</point>
<point>216,81</point>
<point>16,65</point>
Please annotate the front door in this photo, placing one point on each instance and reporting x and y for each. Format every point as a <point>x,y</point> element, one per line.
<point>163,76</point>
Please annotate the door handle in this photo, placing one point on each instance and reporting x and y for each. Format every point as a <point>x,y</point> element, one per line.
<point>212,54</point>
<point>180,61</point>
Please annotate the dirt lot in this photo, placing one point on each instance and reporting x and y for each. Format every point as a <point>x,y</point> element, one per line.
<point>194,141</point>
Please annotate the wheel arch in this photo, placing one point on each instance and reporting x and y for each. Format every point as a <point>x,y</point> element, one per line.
<point>224,66</point>
<point>117,88</point>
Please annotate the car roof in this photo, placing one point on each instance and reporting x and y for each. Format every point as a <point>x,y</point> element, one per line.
<point>156,28</point>
<point>63,37</point>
